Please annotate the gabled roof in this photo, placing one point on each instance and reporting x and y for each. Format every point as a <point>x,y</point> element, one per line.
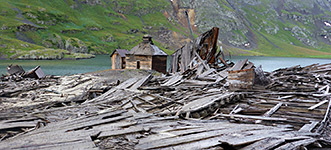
<point>121,52</point>
<point>147,47</point>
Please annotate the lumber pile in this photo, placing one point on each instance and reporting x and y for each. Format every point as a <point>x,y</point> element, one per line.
<point>198,106</point>
<point>181,111</point>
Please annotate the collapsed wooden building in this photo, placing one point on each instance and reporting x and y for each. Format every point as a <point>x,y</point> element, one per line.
<point>193,109</point>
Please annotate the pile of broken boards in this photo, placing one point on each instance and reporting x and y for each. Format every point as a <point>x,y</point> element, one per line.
<point>17,73</point>
<point>190,110</point>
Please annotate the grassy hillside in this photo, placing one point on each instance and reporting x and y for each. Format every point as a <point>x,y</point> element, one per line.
<point>260,27</point>
<point>96,26</point>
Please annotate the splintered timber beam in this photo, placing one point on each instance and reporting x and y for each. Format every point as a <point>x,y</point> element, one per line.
<point>318,105</point>
<point>273,110</point>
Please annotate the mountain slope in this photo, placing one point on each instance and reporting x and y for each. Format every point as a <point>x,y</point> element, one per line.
<point>297,28</point>
<point>266,27</point>
<point>84,26</point>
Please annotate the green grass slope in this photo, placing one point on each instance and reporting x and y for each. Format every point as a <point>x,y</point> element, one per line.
<point>101,26</point>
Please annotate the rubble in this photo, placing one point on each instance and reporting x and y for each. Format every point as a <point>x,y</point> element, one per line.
<point>198,106</point>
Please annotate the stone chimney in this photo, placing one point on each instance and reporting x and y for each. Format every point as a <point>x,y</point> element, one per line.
<point>147,39</point>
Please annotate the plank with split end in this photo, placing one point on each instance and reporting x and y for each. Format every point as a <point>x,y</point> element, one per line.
<point>239,65</point>
<point>170,134</point>
<point>173,80</point>
<point>13,125</point>
<point>97,122</point>
<point>123,85</point>
<point>206,73</point>
<point>309,127</point>
<point>202,61</point>
<point>141,82</point>
<point>273,110</point>
<point>127,83</point>
<point>202,103</point>
<point>249,66</point>
<point>296,144</point>
<point>253,117</point>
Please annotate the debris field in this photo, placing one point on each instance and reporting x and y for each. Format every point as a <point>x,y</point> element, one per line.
<point>199,105</point>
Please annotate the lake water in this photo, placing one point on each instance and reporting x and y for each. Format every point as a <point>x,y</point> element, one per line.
<point>272,63</point>
<point>102,62</point>
<point>61,67</point>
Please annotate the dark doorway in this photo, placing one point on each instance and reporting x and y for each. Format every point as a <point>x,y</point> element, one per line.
<point>138,64</point>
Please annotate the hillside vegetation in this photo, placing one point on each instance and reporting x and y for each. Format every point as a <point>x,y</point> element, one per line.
<point>60,29</point>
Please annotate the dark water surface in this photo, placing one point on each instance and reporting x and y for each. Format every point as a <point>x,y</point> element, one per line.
<point>61,67</point>
<point>102,62</point>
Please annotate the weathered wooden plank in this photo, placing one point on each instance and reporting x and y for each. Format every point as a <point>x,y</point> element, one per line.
<point>318,105</point>
<point>253,117</point>
<point>273,110</point>
<point>249,66</point>
<point>173,80</point>
<point>13,125</point>
<point>193,137</point>
<point>97,122</point>
<point>202,103</point>
<point>296,144</point>
<point>141,82</point>
<point>326,116</point>
<point>187,131</point>
<point>309,127</point>
<point>130,130</point>
<point>265,144</point>
<point>239,65</point>
<point>274,141</point>
<point>206,73</point>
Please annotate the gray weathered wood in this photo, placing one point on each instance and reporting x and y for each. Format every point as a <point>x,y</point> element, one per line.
<point>239,65</point>
<point>318,105</point>
<point>273,110</point>
<point>253,117</point>
<point>141,82</point>
<point>308,127</point>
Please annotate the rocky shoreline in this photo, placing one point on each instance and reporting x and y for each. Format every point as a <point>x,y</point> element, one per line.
<point>49,54</point>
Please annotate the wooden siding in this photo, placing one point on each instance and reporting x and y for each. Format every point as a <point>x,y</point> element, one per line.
<point>145,62</point>
<point>241,79</point>
<point>116,61</point>
<point>123,63</point>
<point>159,63</point>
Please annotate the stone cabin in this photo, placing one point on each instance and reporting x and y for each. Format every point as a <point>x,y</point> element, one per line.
<point>147,56</point>
<point>118,58</point>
